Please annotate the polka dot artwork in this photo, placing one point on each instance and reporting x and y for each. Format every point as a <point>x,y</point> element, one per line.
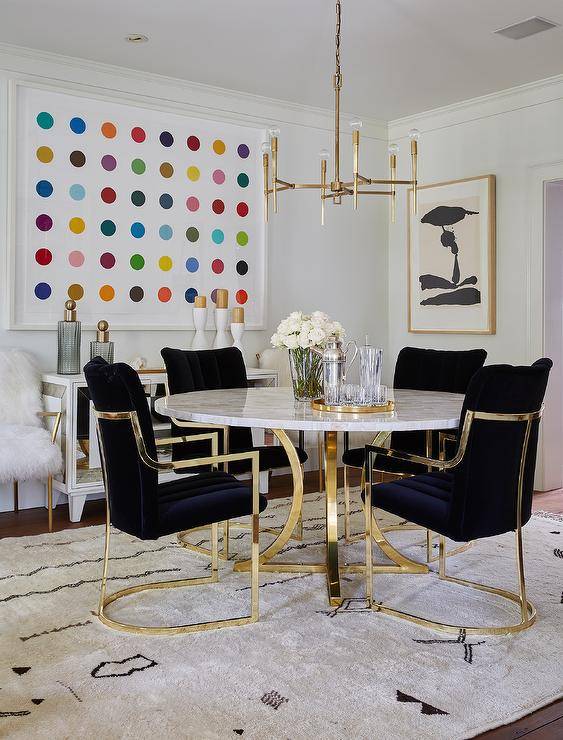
<point>44,188</point>
<point>75,291</point>
<point>76,259</point>
<point>77,192</point>
<point>44,154</point>
<point>43,257</point>
<point>45,120</point>
<point>108,195</point>
<point>164,295</point>
<point>76,225</point>
<point>78,159</point>
<point>77,125</point>
<point>165,232</point>
<point>138,134</point>
<point>192,234</point>
<point>107,260</point>
<point>42,291</point>
<point>109,130</point>
<point>109,162</point>
<point>137,230</point>
<point>133,213</point>
<point>107,293</point>
<point>217,236</point>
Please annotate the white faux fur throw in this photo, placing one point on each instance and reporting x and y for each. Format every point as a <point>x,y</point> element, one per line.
<point>20,389</point>
<point>26,453</point>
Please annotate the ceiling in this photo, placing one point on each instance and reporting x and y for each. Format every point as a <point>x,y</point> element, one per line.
<point>399,57</point>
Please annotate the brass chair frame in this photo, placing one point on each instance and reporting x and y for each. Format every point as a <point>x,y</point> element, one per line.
<point>157,465</point>
<point>56,415</point>
<point>527,609</point>
<point>224,554</point>
<point>379,440</point>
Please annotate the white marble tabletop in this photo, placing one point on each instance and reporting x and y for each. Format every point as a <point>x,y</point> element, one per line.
<point>276,408</point>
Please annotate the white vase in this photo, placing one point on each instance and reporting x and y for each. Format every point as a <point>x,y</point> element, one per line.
<point>200,322</point>
<point>222,338</point>
<point>237,330</point>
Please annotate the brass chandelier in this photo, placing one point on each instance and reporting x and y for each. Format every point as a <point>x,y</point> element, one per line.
<point>337,188</point>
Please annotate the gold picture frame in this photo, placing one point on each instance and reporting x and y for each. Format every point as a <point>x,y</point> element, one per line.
<point>466,302</point>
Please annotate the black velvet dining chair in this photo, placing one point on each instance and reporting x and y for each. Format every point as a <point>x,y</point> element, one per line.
<point>214,369</point>
<point>142,507</point>
<point>484,490</point>
<point>418,369</point>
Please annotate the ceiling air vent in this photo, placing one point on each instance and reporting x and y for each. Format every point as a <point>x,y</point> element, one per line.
<point>526,28</point>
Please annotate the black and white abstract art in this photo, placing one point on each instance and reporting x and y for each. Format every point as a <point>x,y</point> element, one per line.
<point>452,257</point>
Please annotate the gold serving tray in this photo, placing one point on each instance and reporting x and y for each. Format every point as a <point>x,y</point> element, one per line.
<point>319,405</point>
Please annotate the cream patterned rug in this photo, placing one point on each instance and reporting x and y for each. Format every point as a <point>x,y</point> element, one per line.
<point>304,671</point>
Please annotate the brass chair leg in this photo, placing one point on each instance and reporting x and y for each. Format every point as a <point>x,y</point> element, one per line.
<point>16,496</point>
<point>226,528</point>
<point>526,608</point>
<point>346,505</point>
<point>50,502</point>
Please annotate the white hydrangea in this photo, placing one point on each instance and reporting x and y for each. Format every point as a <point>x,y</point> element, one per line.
<point>300,330</point>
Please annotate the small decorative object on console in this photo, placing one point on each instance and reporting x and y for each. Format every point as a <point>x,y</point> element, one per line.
<point>200,322</point>
<point>301,334</point>
<point>69,335</point>
<point>237,327</point>
<point>222,319</point>
<point>102,346</point>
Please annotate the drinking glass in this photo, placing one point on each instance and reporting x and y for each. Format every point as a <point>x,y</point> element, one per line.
<point>371,361</point>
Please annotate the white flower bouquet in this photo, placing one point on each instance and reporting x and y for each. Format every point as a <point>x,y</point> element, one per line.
<point>300,333</point>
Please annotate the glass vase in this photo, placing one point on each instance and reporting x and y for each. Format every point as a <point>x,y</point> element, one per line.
<point>306,374</point>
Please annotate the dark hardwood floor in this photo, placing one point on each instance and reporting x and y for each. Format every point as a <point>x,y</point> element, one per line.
<point>544,724</point>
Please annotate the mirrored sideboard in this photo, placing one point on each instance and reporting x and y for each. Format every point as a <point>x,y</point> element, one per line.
<point>82,476</point>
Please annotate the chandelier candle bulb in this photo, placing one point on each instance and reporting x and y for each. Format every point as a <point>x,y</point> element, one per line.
<point>274,145</point>
<point>356,146</point>
<point>265,164</point>
<point>200,323</point>
<point>323,190</point>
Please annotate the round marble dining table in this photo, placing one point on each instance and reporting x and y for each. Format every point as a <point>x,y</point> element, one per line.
<point>276,409</point>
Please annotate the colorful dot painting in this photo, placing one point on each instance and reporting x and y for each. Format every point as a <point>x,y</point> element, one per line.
<point>133,212</point>
<point>44,188</point>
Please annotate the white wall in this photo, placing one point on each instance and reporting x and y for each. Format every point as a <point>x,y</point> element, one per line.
<point>341,268</point>
<point>515,135</point>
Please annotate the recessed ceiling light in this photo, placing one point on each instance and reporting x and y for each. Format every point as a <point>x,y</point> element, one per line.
<point>526,28</point>
<point>136,38</point>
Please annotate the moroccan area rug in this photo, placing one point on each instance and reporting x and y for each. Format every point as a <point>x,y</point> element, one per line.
<point>306,670</point>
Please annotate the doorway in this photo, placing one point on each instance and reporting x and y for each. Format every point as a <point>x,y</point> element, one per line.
<point>552,448</point>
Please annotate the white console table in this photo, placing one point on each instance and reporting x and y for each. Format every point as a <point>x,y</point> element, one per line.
<point>81,476</point>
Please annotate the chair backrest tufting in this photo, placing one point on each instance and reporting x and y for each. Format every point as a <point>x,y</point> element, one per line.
<point>485,490</point>
<point>199,370</point>
<point>20,381</point>
<point>131,485</point>
<point>448,371</point>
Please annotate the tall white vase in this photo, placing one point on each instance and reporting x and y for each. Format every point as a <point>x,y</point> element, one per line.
<point>222,338</point>
<point>200,321</point>
<point>237,330</point>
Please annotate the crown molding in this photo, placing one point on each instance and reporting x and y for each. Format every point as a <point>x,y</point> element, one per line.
<point>528,95</point>
<point>205,100</point>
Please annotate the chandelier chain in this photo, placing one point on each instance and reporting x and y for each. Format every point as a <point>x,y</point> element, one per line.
<point>338,75</point>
